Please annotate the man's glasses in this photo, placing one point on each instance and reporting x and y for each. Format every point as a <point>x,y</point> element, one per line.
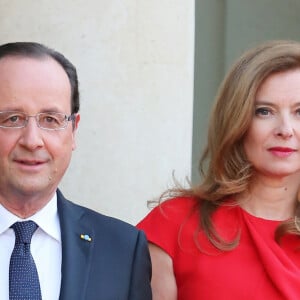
<point>45,120</point>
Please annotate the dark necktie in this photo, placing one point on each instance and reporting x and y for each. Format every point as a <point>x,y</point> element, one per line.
<point>23,277</point>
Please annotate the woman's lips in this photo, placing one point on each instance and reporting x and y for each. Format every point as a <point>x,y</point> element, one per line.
<point>282,151</point>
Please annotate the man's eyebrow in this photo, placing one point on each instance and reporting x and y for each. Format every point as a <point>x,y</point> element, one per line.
<point>21,109</point>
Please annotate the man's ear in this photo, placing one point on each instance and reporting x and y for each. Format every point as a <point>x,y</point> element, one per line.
<point>75,126</point>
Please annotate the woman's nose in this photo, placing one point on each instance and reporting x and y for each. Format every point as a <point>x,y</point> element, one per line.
<point>285,128</point>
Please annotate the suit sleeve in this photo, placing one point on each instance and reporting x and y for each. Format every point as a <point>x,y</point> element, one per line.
<point>140,285</point>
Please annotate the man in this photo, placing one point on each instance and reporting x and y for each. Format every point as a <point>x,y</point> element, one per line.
<point>78,253</point>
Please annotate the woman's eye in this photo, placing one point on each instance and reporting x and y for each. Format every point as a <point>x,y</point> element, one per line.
<point>262,111</point>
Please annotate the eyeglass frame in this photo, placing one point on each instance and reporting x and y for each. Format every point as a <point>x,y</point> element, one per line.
<point>67,119</point>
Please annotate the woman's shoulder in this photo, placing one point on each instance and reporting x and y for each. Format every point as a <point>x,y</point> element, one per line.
<point>170,213</point>
<point>163,223</point>
<point>178,208</point>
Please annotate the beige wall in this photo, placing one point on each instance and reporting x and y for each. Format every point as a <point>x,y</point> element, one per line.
<point>135,65</point>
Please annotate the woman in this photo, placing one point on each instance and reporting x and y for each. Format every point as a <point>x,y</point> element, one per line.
<point>236,234</point>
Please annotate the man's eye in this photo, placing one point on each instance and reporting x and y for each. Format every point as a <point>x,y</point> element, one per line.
<point>14,118</point>
<point>49,119</point>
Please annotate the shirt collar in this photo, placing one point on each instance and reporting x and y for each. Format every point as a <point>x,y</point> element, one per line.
<point>47,219</point>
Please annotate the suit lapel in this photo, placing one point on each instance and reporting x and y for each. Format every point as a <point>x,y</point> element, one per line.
<point>76,249</point>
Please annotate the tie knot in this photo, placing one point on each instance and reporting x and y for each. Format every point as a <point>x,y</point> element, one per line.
<point>24,231</point>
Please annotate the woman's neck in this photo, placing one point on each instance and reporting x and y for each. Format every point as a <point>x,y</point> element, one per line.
<point>273,199</point>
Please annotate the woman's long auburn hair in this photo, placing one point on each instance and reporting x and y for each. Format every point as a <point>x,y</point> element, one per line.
<point>224,167</point>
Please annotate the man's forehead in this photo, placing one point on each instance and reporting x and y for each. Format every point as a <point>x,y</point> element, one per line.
<point>19,59</point>
<point>28,65</point>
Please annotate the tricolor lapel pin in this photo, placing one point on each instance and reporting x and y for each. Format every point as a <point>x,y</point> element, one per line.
<point>86,237</point>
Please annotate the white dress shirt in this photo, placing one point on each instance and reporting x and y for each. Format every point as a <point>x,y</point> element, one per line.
<point>45,249</point>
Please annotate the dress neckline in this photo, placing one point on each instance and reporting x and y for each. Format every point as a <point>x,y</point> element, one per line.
<point>259,219</point>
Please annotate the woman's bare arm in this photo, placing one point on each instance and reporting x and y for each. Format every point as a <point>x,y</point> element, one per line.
<point>163,279</point>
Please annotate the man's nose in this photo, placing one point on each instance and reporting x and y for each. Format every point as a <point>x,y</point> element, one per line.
<point>31,136</point>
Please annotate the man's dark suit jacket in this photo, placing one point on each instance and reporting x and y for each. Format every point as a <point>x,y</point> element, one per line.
<point>113,265</point>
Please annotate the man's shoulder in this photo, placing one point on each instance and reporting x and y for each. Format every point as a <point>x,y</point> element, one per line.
<point>107,221</point>
<point>97,220</point>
